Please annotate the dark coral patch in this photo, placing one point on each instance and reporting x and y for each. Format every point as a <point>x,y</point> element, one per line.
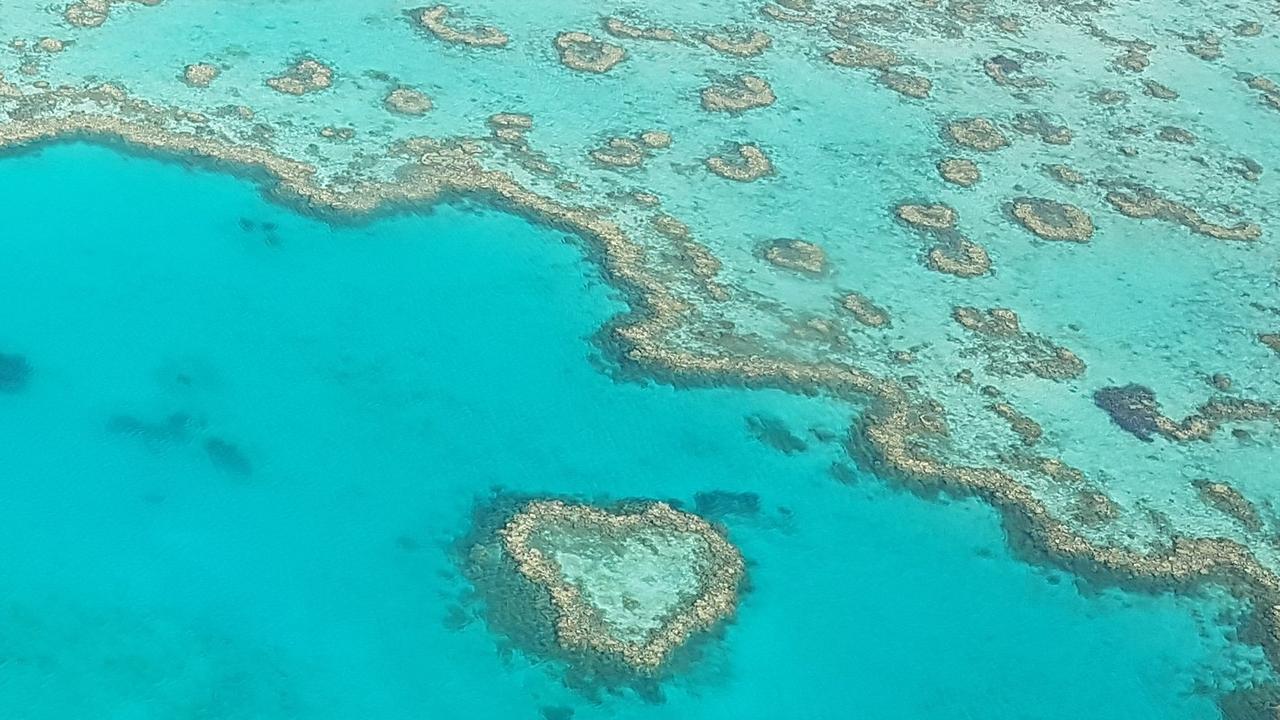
<point>15,373</point>
<point>1133,407</point>
<point>774,433</point>
<point>227,457</point>
<point>717,504</point>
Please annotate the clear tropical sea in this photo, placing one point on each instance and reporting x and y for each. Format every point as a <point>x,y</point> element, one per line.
<point>249,440</point>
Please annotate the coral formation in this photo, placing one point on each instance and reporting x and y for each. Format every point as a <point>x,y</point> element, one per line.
<point>200,75</point>
<point>927,217</point>
<point>435,20</point>
<point>305,76</point>
<point>92,13</point>
<point>1011,350</point>
<point>1144,203</point>
<point>1052,220</point>
<point>628,152</point>
<point>579,51</point>
<point>865,311</point>
<point>738,44</point>
<point>796,255</point>
<point>1230,501</point>
<point>1026,428</point>
<point>961,257</point>
<point>407,101</point>
<point>576,554</point>
<point>620,28</point>
<point>744,163</point>
<point>976,133</point>
<point>1064,174</point>
<point>913,86</point>
<point>959,171</point>
<point>745,92</point>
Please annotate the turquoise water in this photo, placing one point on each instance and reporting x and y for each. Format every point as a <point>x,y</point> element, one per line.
<point>250,439</point>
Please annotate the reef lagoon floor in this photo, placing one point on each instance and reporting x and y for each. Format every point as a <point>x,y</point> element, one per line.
<point>248,442</point>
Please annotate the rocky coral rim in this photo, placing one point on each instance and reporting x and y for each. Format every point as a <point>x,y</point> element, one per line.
<point>577,623</point>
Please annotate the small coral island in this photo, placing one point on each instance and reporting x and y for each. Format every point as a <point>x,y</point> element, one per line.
<point>613,591</point>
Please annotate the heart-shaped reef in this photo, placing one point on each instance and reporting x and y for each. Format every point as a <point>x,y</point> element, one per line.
<point>633,584</point>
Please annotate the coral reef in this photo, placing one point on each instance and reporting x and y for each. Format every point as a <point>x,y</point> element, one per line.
<point>628,152</point>
<point>1158,91</point>
<point>797,255</point>
<point>959,171</point>
<point>579,51</point>
<point>927,217</point>
<point>745,92</point>
<point>407,101</point>
<point>1026,428</point>
<point>1052,220</point>
<point>435,20</point>
<point>620,28</point>
<point>865,311</point>
<point>1228,500</point>
<point>1011,350</point>
<point>577,553</point>
<point>1065,174</point>
<point>1144,203</point>
<point>200,75</point>
<point>862,54</point>
<point>977,133</point>
<point>912,86</point>
<point>961,257</point>
<point>738,44</point>
<point>305,76</point>
<point>93,13</point>
<point>744,163</point>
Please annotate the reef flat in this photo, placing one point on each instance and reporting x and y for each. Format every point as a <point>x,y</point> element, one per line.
<point>1040,197</point>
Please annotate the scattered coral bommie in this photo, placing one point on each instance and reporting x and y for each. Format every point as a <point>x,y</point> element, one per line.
<point>746,92</point>
<point>580,51</point>
<point>435,20</point>
<point>1052,220</point>
<point>305,76</point>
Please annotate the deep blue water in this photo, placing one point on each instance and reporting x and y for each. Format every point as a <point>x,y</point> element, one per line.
<point>249,439</point>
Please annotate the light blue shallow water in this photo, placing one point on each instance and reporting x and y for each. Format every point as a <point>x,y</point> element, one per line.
<point>368,385</point>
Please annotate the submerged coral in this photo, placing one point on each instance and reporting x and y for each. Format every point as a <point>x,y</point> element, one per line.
<point>15,373</point>
<point>1132,407</point>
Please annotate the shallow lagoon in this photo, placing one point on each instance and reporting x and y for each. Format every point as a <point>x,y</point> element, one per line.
<point>249,440</point>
